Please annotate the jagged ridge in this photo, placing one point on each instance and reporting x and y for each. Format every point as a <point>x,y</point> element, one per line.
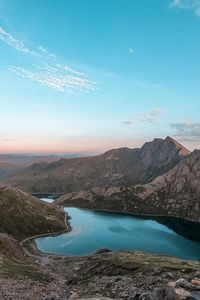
<point>176,193</point>
<point>118,167</point>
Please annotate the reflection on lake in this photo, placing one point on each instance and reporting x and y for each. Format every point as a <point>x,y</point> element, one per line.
<point>92,231</point>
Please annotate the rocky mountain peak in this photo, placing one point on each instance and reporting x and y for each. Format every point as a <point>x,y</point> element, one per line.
<point>174,193</point>
<point>182,150</point>
<point>166,144</point>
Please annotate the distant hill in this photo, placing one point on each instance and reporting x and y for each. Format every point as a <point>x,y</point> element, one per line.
<point>11,163</point>
<point>118,167</point>
<point>175,193</point>
<point>7,168</point>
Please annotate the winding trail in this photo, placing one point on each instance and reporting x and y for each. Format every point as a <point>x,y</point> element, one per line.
<point>43,257</point>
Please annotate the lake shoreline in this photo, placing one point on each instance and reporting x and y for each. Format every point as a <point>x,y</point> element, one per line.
<point>55,196</point>
<point>78,222</point>
<point>158,218</point>
<point>148,216</point>
<point>29,244</point>
<point>123,271</point>
<point>154,215</point>
<point>81,274</point>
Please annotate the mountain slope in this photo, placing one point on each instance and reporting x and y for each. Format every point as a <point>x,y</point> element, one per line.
<point>175,194</point>
<point>11,163</point>
<point>117,167</point>
<point>7,169</point>
<point>22,215</point>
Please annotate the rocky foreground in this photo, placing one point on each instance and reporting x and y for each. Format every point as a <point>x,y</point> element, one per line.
<point>27,274</point>
<point>105,275</point>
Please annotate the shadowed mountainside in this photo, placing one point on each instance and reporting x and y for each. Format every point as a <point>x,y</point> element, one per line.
<point>176,194</point>
<point>118,167</point>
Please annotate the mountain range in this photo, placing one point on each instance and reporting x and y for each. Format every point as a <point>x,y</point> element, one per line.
<point>175,193</point>
<point>160,179</point>
<point>11,163</point>
<point>122,167</point>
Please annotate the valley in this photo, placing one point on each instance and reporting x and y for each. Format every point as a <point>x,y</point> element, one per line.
<point>99,150</point>
<point>144,215</point>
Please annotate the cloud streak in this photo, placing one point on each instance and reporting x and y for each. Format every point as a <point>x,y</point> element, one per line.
<point>187,131</point>
<point>47,70</point>
<point>128,122</point>
<point>151,116</point>
<point>18,45</point>
<point>9,140</point>
<point>193,5</point>
<point>148,117</point>
<point>13,140</point>
<point>54,78</point>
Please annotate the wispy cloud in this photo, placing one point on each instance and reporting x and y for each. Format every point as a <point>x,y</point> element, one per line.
<point>47,70</point>
<point>128,122</point>
<point>9,140</point>
<point>188,131</point>
<point>145,117</point>
<point>187,4</point>
<point>54,78</point>
<point>40,48</point>
<point>151,116</point>
<point>14,140</point>
<point>18,45</point>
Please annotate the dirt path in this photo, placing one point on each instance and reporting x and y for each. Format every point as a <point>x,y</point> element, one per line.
<point>34,253</point>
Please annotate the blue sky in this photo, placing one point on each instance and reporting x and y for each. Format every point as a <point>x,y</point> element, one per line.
<point>89,75</point>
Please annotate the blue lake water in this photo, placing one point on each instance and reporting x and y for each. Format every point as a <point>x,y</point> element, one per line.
<point>92,231</point>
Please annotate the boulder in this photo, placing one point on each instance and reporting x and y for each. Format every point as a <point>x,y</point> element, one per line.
<point>164,293</point>
<point>194,296</point>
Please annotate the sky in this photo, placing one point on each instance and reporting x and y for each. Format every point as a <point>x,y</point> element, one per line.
<point>90,75</point>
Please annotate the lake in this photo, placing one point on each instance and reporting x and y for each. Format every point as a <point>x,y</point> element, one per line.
<point>92,230</point>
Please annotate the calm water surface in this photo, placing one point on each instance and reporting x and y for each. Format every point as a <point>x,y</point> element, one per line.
<point>92,231</point>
